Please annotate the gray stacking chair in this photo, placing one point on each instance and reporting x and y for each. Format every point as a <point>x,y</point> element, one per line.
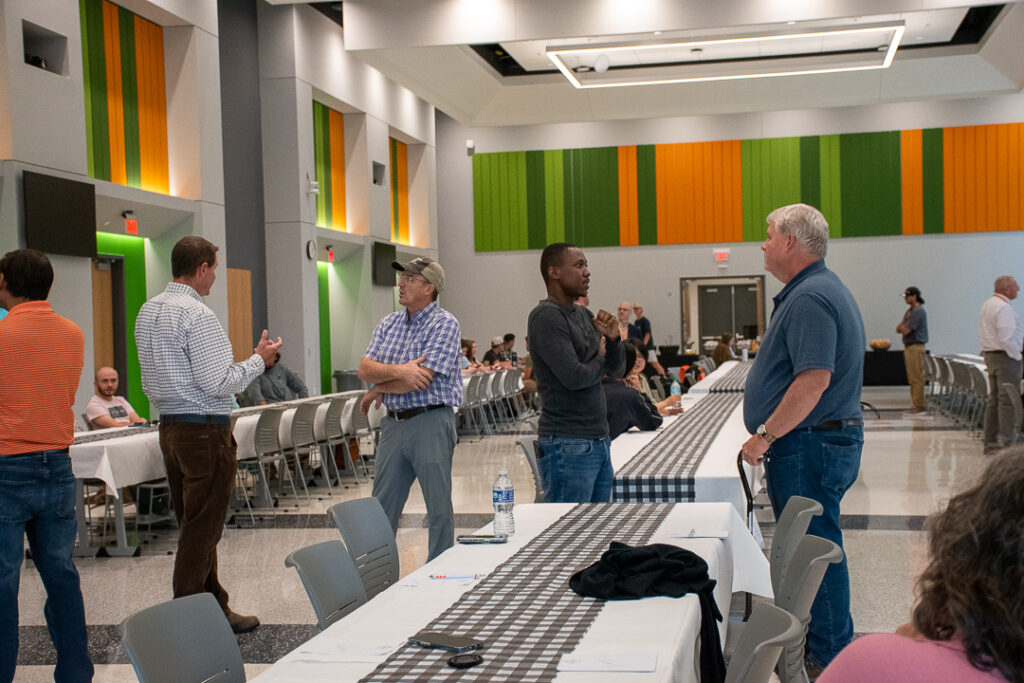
<point>800,584</point>
<point>979,392</point>
<point>769,630</point>
<point>530,449</point>
<point>370,541</point>
<point>334,431</point>
<point>304,441</point>
<point>267,444</point>
<point>790,528</point>
<point>330,578</point>
<point>188,639</point>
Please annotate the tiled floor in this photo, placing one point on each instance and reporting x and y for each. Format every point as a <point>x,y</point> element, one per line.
<point>909,469</point>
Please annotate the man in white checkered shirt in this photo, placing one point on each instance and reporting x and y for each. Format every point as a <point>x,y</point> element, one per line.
<point>412,361</point>
<point>189,377</point>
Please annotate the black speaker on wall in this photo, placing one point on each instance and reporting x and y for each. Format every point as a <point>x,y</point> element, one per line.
<point>383,256</point>
<point>60,215</point>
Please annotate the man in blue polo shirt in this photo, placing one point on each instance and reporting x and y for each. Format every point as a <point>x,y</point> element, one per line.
<point>802,401</point>
<point>413,363</point>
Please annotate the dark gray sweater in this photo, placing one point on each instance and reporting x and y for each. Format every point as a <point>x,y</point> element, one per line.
<point>563,346</point>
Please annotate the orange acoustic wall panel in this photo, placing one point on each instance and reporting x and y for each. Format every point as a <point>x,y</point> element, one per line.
<point>699,192</point>
<point>912,182</point>
<point>982,177</point>
<point>149,58</point>
<point>629,218</point>
<point>115,100</point>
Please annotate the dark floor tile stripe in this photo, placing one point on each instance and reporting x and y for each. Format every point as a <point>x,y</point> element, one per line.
<point>322,521</point>
<point>265,645</point>
<point>882,522</point>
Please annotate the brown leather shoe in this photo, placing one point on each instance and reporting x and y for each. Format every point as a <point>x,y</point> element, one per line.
<point>241,623</point>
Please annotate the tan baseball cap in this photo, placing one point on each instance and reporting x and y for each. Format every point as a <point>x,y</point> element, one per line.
<point>427,267</point>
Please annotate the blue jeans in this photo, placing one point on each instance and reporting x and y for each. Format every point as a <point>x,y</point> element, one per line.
<point>821,465</point>
<point>37,499</point>
<point>576,470</point>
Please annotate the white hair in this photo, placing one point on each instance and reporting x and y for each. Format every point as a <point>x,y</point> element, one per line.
<point>805,223</point>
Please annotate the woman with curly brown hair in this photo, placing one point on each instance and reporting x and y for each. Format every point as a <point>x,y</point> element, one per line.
<point>968,623</point>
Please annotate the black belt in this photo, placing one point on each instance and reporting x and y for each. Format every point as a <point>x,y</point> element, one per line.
<point>913,344</point>
<point>828,425</point>
<point>192,418</point>
<point>52,451</point>
<point>413,412</point>
<point>1000,351</point>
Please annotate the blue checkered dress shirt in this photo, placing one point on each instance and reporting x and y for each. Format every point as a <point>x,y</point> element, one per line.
<point>433,332</point>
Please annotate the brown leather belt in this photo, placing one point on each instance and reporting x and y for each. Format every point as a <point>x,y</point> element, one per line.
<point>413,412</point>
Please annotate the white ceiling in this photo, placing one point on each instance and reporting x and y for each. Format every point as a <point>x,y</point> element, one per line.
<point>424,45</point>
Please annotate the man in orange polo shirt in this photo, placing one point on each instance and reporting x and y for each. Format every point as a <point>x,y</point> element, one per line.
<point>37,487</point>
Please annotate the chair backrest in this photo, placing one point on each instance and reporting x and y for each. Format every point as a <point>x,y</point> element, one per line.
<point>330,578</point>
<point>473,389</point>
<point>302,424</point>
<point>266,437</point>
<point>188,639</point>
<point>942,370</point>
<point>803,576</point>
<point>769,630</point>
<point>960,376</point>
<point>370,541</point>
<point>333,428</point>
<point>84,419</point>
<point>531,449</point>
<point>360,423</point>
<point>979,381</point>
<point>790,528</point>
<point>1012,394</point>
<point>512,381</point>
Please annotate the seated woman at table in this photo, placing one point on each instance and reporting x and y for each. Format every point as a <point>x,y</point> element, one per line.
<point>467,358</point>
<point>723,351</point>
<point>636,379</point>
<point>627,407</point>
<point>968,623</point>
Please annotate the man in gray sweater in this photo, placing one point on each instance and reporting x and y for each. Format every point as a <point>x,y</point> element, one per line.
<point>277,383</point>
<point>572,351</point>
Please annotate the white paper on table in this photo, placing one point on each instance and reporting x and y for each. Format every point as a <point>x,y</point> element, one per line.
<point>702,533</point>
<point>634,661</point>
<point>347,650</point>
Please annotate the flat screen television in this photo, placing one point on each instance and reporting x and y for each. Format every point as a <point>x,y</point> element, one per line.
<point>60,215</point>
<point>383,256</point>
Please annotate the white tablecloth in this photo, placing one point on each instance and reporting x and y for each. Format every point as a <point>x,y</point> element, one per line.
<point>121,460</point>
<point>716,479</point>
<point>665,627</point>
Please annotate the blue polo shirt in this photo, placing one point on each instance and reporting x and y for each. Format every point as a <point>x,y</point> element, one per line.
<point>815,324</point>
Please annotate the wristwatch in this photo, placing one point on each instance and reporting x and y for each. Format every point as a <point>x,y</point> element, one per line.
<point>762,432</point>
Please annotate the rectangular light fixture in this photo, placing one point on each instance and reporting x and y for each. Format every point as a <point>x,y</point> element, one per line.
<point>856,48</point>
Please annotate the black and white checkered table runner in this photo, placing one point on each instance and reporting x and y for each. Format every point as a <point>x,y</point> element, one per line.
<point>663,471</point>
<point>90,438</point>
<point>524,611</point>
<point>734,380</point>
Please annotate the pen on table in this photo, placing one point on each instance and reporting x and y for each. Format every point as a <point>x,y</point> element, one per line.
<point>455,576</point>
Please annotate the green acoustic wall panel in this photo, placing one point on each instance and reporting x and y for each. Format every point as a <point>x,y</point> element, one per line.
<point>130,93</point>
<point>322,161</point>
<point>133,251</point>
<point>501,209</point>
<point>771,178</point>
<point>554,196</point>
<point>810,179</point>
<point>594,181</point>
<point>91,13</point>
<point>933,191</point>
<point>324,307</point>
<point>831,185</point>
<point>536,209</point>
<point>647,194</point>
<point>870,178</point>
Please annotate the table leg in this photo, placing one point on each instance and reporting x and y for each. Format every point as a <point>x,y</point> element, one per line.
<point>83,549</point>
<point>122,549</point>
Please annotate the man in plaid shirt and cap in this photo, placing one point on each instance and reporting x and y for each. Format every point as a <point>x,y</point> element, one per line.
<point>412,361</point>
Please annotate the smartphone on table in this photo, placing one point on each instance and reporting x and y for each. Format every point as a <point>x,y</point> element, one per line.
<point>446,642</point>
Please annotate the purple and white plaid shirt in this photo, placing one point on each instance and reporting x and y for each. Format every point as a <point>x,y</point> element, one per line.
<point>433,332</point>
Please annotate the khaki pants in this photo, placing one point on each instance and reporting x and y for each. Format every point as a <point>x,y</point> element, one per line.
<point>913,358</point>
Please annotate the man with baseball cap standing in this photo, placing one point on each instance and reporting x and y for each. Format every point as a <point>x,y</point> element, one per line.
<point>412,361</point>
<point>914,328</point>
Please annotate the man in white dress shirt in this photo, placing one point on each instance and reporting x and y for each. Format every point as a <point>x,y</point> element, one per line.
<point>189,376</point>
<point>1001,341</point>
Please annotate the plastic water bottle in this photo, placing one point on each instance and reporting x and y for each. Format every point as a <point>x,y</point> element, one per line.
<point>676,389</point>
<point>503,496</point>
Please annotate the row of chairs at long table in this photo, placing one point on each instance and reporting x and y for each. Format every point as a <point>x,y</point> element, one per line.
<point>343,421</point>
<point>959,390</point>
<point>190,639</point>
<point>493,401</point>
